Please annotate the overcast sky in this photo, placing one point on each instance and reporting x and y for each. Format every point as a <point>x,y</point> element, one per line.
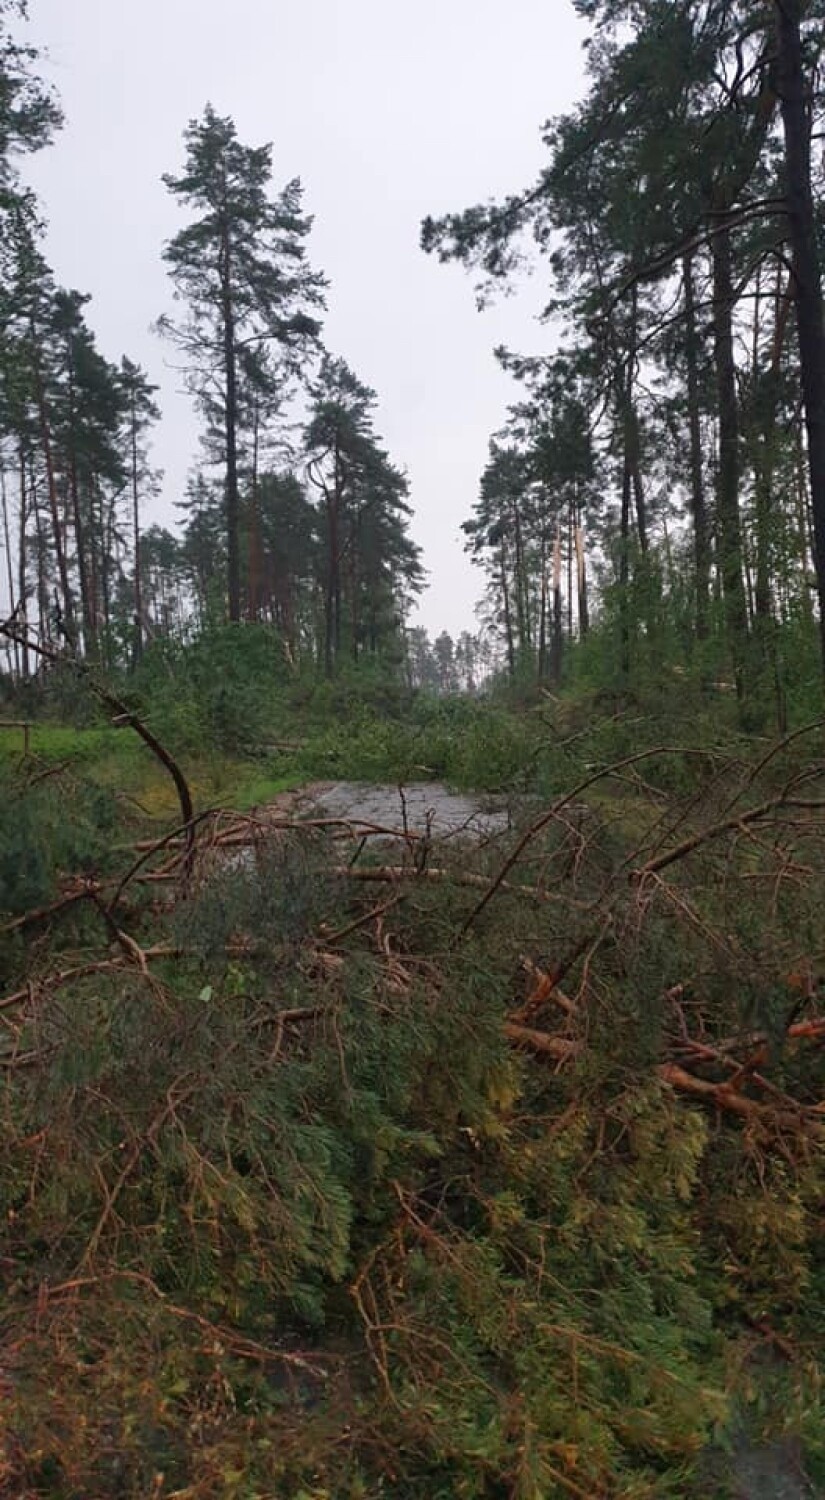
<point>387,111</point>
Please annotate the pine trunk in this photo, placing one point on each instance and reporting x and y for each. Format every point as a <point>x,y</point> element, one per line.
<point>624,567</point>
<point>230,372</point>
<point>51,488</point>
<point>255,548</point>
<point>542,662</point>
<point>508,617</point>
<point>698,506</point>
<point>9,564</point>
<point>137,647</point>
<point>796,104</point>
<point>22,555</point>
<point>84,556</point>
<point>727,501</point>
<point>584,607</point>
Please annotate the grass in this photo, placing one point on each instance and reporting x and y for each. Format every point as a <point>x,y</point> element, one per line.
<point>117,760</point>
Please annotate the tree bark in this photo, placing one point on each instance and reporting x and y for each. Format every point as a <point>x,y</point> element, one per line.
<point>22,558</point>
<point>137,647</point>
<point>727,502</point>
<point>795,101</point>
<point>521,586</point>
<point>255,546</point>
<point>508,618</point>
<point>701,541</point>
<point>632,438</point>
<point>51,487</point>
<point>83,554</point>
<point>624,567</point>
<point>332,632</point>
<point>542,661</point>
<point>43,582</point>
<point>584,606</point>
<point>233,505</point>
<point>558,628</point>
<point>9,564</point>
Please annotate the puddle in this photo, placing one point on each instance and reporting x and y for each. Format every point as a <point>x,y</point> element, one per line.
<point>754,1471</point>
<point>451,814</point>
<point>773,1473</point>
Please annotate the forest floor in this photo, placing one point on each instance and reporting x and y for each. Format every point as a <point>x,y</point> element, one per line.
<point>501,1108</point>
<point>752,1469</point>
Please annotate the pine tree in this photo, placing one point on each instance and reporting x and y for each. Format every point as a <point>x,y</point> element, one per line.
<point>663,193</point>
<point>140,412</point>
<point>29,113</point>
<point>29,116</point>
<point>371,565</point>
<point>240,268</point>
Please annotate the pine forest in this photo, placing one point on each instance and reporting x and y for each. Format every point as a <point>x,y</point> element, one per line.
<point>412,1039</point>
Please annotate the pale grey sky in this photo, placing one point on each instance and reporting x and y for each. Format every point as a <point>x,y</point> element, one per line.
<point>387,111</point>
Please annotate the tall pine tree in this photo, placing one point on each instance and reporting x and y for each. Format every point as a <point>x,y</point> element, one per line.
<point>240,269</point>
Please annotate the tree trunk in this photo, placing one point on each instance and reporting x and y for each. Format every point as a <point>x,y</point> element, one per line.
<point>558,618</point>
<point>51,487</point>
<point>255,548</point>
<point>581,568</point>
<point>137,646</point>
<point>571,532</point>
<point>803,526</point>
<point>522,603</point>
<point>22,557</point>
<point>83,554</point>
<point>95,559</point>
<point>727,501</point>
<point>765,449</point>
<point>329,596</point>
<point>332,603</point>
<point>508,617</point>
<point>230,372</point>
<point>107,551</point>
<point>624,567</point>
<point>44,627</point>
<point>796,104</point>
<point>632,439</point>
<point>9,565</point>
<point>701,541</point>
<point>542,662</point>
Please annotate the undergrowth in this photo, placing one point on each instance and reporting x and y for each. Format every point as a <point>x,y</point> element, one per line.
<point>332,1168</point>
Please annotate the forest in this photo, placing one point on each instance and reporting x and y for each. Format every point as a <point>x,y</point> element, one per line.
<point>348,1152</point>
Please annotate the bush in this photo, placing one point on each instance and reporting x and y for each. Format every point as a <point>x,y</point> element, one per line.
<point>221,692</point>
<point>48,828</point>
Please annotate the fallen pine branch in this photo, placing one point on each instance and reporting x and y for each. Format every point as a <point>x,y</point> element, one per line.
<point>706,836</point>
<point>86,892</point>
<point>563,1049</point>
<point>499,881</point>
<point>334,938</point>
<point>545,988</point>
<point>219,1333</point>
<point>742,1072</point>
<point>61,977</point>
<point>725,1097</point>
<point>149,847</point>
<point>389,874</point>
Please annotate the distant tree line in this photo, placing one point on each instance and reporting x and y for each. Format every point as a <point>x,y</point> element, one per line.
<point>675,439</point>
<point>296,516</point>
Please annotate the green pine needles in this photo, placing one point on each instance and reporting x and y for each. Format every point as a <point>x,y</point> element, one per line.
<point>305,1195</point>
